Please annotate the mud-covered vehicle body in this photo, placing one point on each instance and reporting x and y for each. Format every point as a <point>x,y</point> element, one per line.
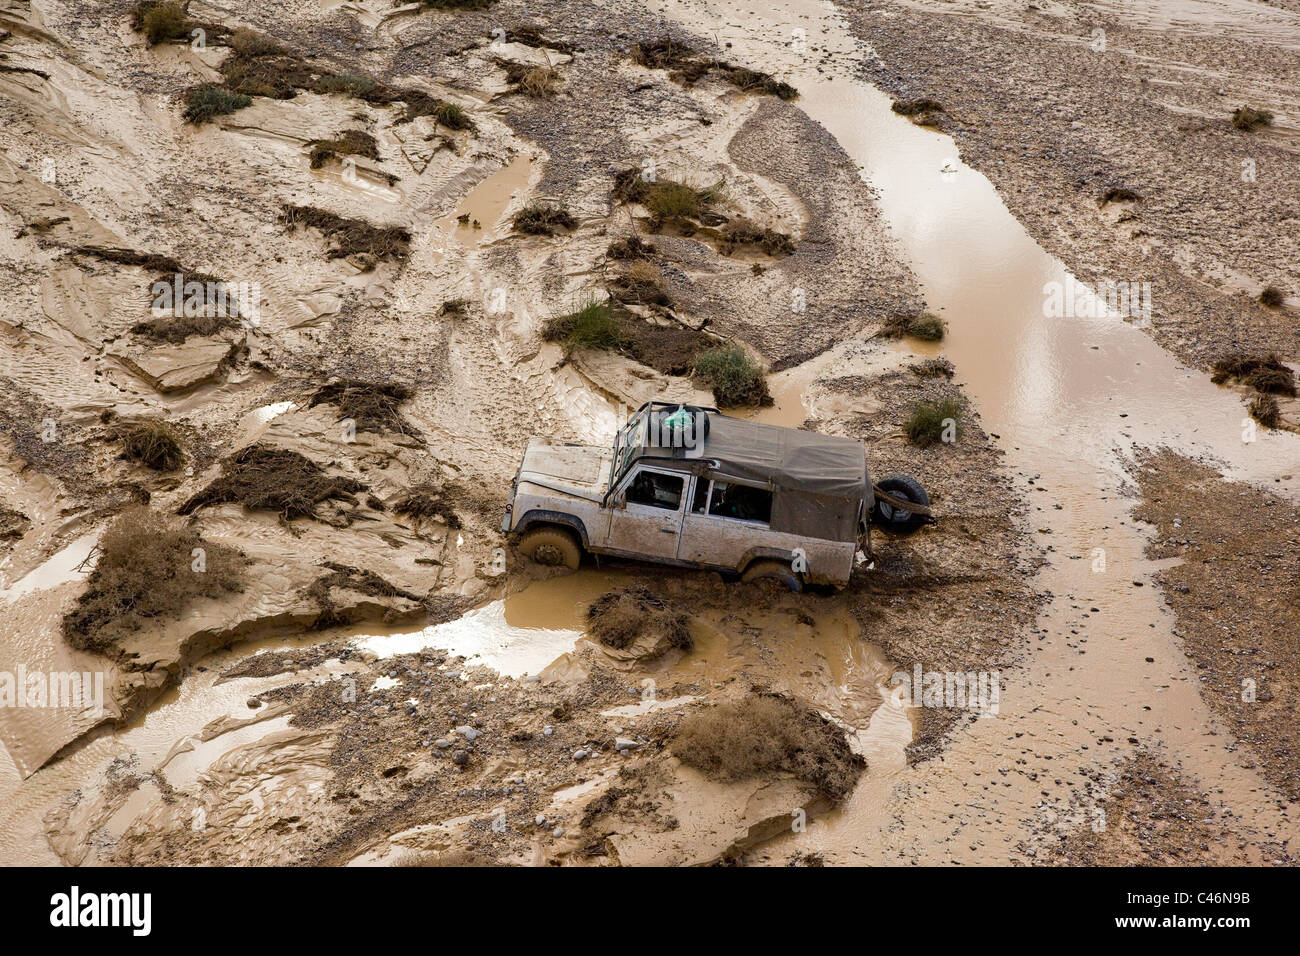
<point>689,486</point>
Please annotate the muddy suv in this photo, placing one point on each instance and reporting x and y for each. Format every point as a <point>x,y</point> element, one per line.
<point>689,486</point>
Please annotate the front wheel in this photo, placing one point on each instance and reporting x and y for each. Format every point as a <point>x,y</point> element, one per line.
<point>776,570</point>
<point>552,546</point>
<point>896,519</point>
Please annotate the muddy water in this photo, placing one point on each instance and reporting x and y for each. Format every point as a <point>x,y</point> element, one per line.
<point>1070,398</point>
<point>516,636</point>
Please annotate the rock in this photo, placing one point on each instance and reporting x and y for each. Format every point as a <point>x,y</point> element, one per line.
<point>581,754</point>
<point>468,732</point>
<point>541,819</point>
<point>253,703</point>
<point>625,743</point>
<point>460,758</point>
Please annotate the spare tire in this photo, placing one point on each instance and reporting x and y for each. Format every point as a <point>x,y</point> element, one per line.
<point>896,519</point>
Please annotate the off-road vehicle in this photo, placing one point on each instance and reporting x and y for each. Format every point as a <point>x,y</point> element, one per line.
<point>688,486</point>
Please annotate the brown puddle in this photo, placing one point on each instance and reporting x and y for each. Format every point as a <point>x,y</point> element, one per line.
<point>485,205</point>
<point>1070,398</point>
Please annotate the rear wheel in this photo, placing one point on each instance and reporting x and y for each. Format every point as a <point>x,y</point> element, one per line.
<point>775,570</point>
<point>896,519</point>
<point>552,546</point>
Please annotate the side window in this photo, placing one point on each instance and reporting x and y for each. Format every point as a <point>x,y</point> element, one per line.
<point>741,501</point>
<point>656,490</point>
<point>701,498</point>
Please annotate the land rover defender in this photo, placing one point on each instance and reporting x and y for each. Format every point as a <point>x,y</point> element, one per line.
<point>686,485</point>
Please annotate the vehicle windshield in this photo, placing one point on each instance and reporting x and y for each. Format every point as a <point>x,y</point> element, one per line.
<point>630,439</point>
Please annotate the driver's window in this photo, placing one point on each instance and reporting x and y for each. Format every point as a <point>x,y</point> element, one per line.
<point>656,490</point>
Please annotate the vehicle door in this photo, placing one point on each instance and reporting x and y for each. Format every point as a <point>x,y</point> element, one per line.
<point>646,512</point>
<point>725,520</point>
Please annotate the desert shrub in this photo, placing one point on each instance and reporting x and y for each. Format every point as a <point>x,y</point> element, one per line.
<point>13,524</point>
<point>426,501</point>
<point>641,281</point>
<point>755,81</point>
<point>1263,408</point>
<point>160,22</point>
<point>768,734</point>
<point>538,81</point>
<point>452,116</point>
<point>916,107</point>
<point>349,84</point>
<point>176,329</point>
<point>933,368</point>
<point>147,571</point>
<point>372,406</point>
<point>1272,296</point>
<point>360,580</point>
<point>250,43</point>
<point>351,236</point>
<point>457,4</point>
<point>1248,117</point>
<point>617,618</point>
<point>674,203</point>
<point>352,142</point>
<point>593,325</point>
<point>262,477</point>
<point>742,232</point>
<point>1264,373</point>
<point>734,377</point>
<point>1119,194</point>
<point>633,247</point>
<point>154,444</point>
<point>926,422</point>
<point>208,101</point>
<point>927,327</point>
<point>665,53</point>
<point>661,54</point>
<point>540,219</point>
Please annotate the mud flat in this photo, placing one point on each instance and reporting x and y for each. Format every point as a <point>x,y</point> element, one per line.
<point>400,688</point>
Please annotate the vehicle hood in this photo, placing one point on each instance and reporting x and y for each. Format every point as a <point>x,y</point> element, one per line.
<point>566,467</point>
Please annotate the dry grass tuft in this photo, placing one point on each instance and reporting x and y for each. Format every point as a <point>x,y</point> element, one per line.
<point>351,237</point>
<point>742,232</point>
<point>426,501</point>
<point>541,219</point>
<point>617,618</point>
<point>927,327</point>
<point>1263,373</point>
<point>154,444</point>
<point>148,570</point>
<point>372,406</point>
<point>1264,409</point>
<point>1248,118</point>
<point>735,378</point>
<point>353,142</point>
<point>1272,296</point>
<point>765,734</point>
<point>927,421</point>
<point>262,477</point>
